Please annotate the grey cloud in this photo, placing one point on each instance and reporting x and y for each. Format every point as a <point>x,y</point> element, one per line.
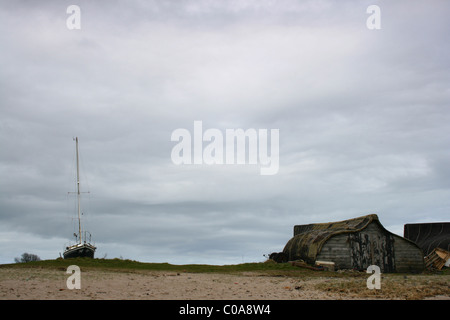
<point>362,116</point>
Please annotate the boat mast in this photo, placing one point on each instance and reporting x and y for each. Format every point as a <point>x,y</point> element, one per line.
<point>78,193</point>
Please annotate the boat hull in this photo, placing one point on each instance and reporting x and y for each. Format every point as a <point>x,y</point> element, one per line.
<point>80,251</point>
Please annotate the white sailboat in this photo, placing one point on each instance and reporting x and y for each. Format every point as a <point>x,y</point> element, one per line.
<point>82,248</point>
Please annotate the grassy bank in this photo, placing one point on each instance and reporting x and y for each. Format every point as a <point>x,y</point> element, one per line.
<point>122,265</point>
<point>269,267</point>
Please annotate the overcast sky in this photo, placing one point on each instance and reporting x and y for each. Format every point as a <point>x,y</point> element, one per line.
<point>363,118</point>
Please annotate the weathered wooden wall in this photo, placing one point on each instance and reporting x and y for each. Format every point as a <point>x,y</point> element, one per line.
<point>408,256</point>
<point>372,246</point>
<point>337,249</point>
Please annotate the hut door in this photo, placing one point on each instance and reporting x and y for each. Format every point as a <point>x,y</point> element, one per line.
<point>382,251</point>
<point>372,249</point>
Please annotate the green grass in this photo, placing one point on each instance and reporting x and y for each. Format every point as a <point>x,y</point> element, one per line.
<point>269,268</point>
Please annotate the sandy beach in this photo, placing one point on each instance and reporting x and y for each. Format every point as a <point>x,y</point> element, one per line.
<point>43,284</point>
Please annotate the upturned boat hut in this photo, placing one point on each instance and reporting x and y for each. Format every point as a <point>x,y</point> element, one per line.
<point>355,244</point>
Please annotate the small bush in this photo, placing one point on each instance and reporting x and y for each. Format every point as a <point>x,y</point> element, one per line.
<point>27,257</point>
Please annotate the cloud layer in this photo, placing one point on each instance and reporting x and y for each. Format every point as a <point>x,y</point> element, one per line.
<point>362,114</point>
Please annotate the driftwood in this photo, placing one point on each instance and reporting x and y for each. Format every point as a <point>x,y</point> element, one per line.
<point>304,265</point>
<point>437,259</point>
